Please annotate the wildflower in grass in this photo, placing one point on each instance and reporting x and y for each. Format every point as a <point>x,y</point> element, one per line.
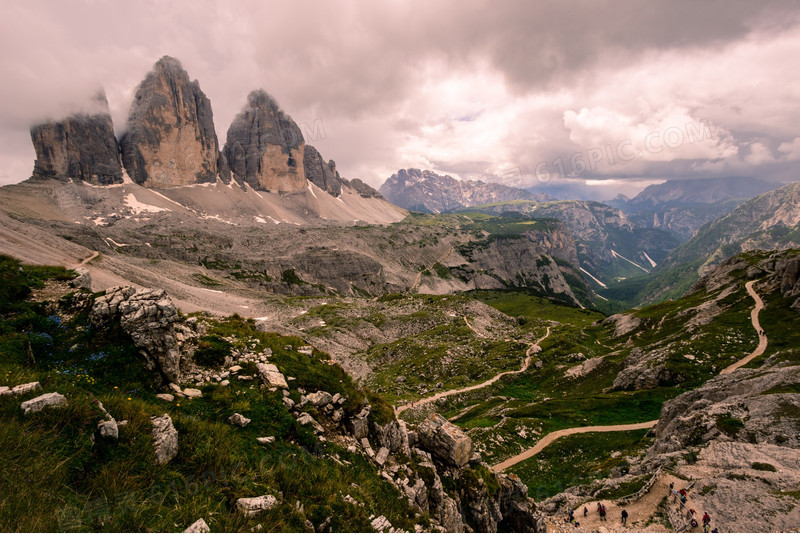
<point>97,356</point>
<point>129,398</point>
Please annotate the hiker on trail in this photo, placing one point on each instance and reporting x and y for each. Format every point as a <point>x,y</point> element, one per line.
<point>602,513</point>
<point>690,513</point>
<point>585,511</point>
<point>624,517</point>
<point>706,518</point>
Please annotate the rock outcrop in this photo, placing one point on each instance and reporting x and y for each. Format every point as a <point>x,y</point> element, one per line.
<point>265,148</point>
<point>81,146</point>
<point>239,420</point>
<point>150,318</point>
<point>515,262</point>
<point>198,526</point>
<point>165,439</point>
<point>170,139</point>
<point>364,190</point>
<point>271,376</point>
<point>251,506</point>
<point>321,174</point>
<point>48,400</point>
<point>20,389</point>
<point>445,440</point>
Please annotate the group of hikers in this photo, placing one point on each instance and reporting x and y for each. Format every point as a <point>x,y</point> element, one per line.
<point>601,511</point>
<point>682,496</point>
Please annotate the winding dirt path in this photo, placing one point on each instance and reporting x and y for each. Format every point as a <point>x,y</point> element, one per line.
<point>525,365</point>
<point>90,258</point>
<point>551,437</point>
<point>762,337</point>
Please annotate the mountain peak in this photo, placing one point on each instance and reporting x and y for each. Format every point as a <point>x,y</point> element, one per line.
<point>81,146</point>
<point>426,191</point>
<point>265,147</point>
<point>171,139</point>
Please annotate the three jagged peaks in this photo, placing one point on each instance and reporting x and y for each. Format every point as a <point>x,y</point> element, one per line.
<point>170,141</point>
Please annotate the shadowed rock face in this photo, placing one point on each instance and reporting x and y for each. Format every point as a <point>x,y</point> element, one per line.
<point>321,174</point>
<point>82,147</point>
<point>265,148</point>
<point>171,139</point>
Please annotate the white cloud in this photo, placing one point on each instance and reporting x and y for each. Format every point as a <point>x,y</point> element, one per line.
<point>791,150</point>
<point>759,154</point>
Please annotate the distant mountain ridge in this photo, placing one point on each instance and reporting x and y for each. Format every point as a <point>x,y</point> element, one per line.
<point>609,245</point>
<point>427,192</point>
<point>768,221</point>
<point>698,191</point>
<point>683,206</point>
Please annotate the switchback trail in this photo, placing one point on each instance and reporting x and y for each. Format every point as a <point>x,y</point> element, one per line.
<point>551,437</point>
<point>525,365</point>
<point>90,258</point>
<point>762,337</point>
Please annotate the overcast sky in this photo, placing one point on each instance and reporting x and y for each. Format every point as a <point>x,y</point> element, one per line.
<point>511,91</point>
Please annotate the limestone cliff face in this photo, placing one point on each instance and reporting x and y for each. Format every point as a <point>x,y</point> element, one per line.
<point>321,174</point>
<point>171,139</point>
<point>82,147</point>
<point>265,147</point>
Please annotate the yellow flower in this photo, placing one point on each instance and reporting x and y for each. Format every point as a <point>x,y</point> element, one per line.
<point>129,398</point>
<point>115,387</point>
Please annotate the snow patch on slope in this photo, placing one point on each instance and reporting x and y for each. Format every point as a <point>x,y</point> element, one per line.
<point>140,207</point>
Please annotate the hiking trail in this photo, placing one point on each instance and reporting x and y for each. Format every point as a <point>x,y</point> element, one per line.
<point>762,337</point>
<point>551,437</point>
<point>525,365</point>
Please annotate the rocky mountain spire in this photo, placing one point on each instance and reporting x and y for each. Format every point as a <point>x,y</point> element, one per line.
<point>321,174</point>
<point>81,146</point>
<point>265,148</point>
<point>170,140</point>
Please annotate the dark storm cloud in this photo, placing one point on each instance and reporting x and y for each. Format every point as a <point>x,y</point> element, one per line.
<point>391,82</point>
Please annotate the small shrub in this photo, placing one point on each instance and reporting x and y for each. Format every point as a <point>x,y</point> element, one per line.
<point>691,457</point>
<point>762,466</point>
<point>706,490</point>
<point>729,425</point>
<point>290,278</point>
<point>212,351</point>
